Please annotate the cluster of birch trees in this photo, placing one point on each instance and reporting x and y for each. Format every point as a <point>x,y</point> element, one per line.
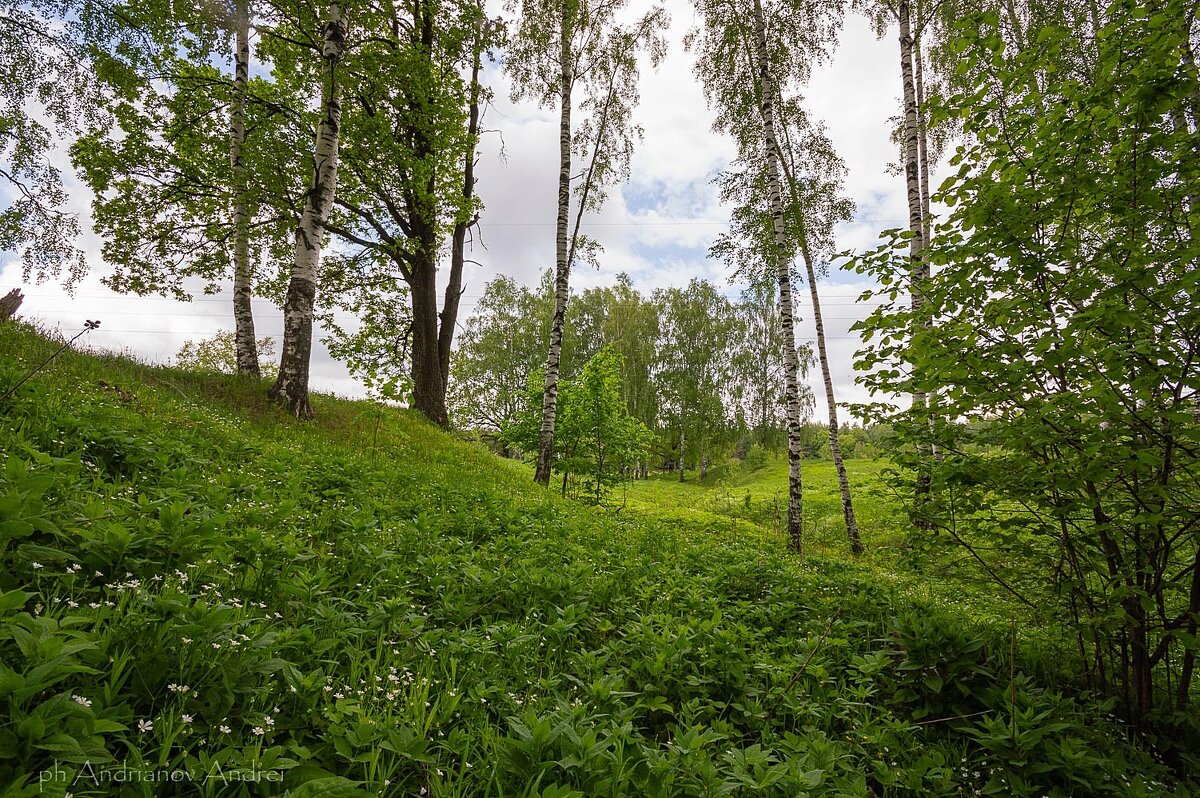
<point>332,167</point>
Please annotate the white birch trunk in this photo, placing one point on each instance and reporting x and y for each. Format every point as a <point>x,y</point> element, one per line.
<point>291,387</point>
<point>926,216</point>
<point>922,140</point>
<point>682,453</point>
<point>791,367</point>
<point>916,224</point>
<point>835,448</point>
<point>545,456</point>
<point>246,350</point>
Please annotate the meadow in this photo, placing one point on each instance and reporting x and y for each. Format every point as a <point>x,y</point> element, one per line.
<point>200,597</point>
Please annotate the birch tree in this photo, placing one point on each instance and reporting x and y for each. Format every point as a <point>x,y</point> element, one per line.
<point>245,346</point>
<point>181,192</point>
<point>561,46</point>
<point>917,229</point>
<point>748,51</point>
<point>291,386</point>
<point>812,173</point>
<point>1065,293</point>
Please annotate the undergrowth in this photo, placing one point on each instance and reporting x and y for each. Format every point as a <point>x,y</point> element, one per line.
<point>201,597</point>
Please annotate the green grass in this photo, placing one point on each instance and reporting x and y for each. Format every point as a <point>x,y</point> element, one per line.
<point>759,496</point>
<point>736,500</point>
<point>193,584</point>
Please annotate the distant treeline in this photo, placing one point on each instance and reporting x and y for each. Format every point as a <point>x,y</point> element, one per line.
<point>698,370</point>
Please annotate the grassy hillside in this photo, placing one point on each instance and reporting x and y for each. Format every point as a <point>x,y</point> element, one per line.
<point>196,589</point>
<point>739,500</point>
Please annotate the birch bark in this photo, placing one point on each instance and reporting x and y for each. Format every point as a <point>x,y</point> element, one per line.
<point>562,266</point>
<point>767,104</point>
<point>291,387</point>
<point>246,350</point>
<point>682,453</point>
<point>916,223</point>
<point>926,216</point>
<point>806,255</point>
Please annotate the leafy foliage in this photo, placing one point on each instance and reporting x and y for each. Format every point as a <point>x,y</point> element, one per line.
<point>217,354</point>
<point>1063,301</point>
<point>599,442</point>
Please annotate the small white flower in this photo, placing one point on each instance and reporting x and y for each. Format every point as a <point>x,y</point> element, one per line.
<point>258,731</point>
<point>186,718</point>
<point>224,729</point>
<point>81,701</point>
<point>187,641</point>
<point>145,726</point>
<point>268,720</point>
<point>36,566</point>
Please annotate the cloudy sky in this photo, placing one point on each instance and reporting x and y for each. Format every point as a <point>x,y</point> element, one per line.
<point>657,228</point>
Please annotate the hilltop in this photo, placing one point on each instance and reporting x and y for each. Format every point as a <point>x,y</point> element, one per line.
<point>194,584</point>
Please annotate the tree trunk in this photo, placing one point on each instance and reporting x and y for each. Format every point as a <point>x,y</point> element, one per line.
<point>916,225</point>
<point>245,347</point>
<point>682,452</point>
<point>926,215</point>
<point>449,316</point>
<point>791,367</point>
<point>429,385</point>
<point>922,140</point>
<point>291,387</point>
<point>835,448</point>
<point>10,303</point>
<point>703,468</point>
<point>562,271</point>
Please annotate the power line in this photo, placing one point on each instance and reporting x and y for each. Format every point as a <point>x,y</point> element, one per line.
<point>207,332</point>
<point>679,223</point>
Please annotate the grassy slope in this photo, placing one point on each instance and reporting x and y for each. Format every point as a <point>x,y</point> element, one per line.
<point>740,501</point>
<point>364,597</point>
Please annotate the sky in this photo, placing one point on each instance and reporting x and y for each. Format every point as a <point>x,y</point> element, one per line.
<point>657,227</point>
